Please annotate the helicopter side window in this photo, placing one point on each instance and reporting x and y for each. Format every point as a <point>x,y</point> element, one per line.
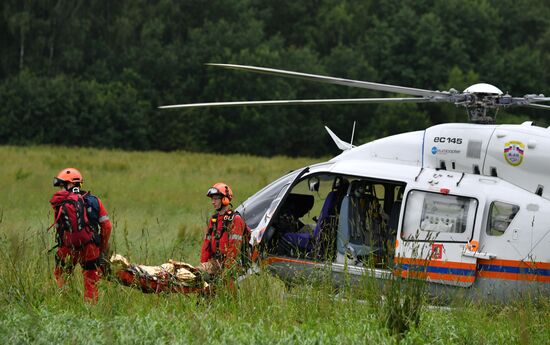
<point>360,227</point>
<point>501,215</point>
<point>366,231</point>
<point>441,217</point>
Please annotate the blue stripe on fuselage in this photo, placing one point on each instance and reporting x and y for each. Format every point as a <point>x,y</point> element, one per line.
<point>441,270</point>
<point>511,269</point>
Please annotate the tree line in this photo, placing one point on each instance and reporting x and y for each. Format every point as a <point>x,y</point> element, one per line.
<point>92,73</point>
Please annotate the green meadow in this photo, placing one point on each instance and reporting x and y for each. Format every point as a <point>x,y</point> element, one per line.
<point>157,203</point>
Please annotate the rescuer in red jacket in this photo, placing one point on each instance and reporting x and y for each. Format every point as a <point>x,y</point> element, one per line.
<point>83,231</point>
<point>222,245</point>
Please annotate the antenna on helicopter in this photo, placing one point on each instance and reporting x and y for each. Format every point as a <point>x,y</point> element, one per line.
<point>352,133</point>
<point>481,101</point>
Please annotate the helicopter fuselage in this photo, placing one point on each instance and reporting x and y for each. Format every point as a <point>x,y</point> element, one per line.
<point>463,204</point>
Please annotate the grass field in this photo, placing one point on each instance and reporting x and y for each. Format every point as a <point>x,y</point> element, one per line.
<point>158,205</point>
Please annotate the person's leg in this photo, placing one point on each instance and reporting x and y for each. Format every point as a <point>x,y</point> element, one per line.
<point>91,278</point>
<point>64,265</point>
<point>91,272</point>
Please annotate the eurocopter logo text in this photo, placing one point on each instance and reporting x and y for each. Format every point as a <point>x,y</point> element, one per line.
<point>514,152</point>
<point>435,151</point>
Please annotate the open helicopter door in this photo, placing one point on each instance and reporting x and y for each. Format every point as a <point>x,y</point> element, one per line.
<point>258,210</point>
<point>439,239</point>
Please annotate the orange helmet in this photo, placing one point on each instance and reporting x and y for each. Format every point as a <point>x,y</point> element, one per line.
<point>222,189</point>
<point>67,175</point>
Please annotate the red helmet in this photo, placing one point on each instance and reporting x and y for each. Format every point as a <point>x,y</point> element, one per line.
<point>222,189</point>
<point>67,175</point>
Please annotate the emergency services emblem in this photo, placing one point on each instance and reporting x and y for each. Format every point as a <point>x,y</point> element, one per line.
<point>514,152</point>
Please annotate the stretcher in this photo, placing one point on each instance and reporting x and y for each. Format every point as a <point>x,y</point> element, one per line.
<point>172,276</point>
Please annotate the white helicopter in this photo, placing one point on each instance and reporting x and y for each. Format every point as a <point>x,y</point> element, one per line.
<point>468,205</point>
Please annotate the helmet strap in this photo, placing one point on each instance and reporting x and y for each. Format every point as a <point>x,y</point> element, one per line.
<point>223,208</point>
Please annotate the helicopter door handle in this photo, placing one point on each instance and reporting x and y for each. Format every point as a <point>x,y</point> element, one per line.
<point>479,255</point>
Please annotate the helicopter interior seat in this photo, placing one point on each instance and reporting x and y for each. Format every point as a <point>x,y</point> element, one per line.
<point>356,231</point>
<point>306,240</point>
<point>295,207</point>
<point>288,220</point>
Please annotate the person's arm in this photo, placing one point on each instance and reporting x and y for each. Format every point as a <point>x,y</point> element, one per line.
<point>106,227</point>
<point>235,241</point>
<point>205,249</point>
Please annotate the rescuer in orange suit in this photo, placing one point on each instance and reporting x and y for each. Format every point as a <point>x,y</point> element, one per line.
<point>83,231</point>
<point>222,245</point>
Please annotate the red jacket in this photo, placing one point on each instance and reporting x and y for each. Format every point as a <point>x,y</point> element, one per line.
<point>229,241</point>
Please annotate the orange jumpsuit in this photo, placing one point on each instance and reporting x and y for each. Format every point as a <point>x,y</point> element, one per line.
<point>87,256</point>
<point>221,244</point>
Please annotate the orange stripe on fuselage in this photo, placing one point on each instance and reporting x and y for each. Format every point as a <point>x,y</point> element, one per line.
<point>272,259</point>
<point>520,265</point>
<point>434,263</point>
<point>513,276</point>
<point>425,274</point>
<point>436,276</point>
<point>452,264</point>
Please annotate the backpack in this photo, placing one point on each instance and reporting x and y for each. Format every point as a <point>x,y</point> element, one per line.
<point>92,211</point>
<point>71,220</point>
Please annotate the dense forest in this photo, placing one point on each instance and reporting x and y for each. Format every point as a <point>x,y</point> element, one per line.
<point>92,73</point>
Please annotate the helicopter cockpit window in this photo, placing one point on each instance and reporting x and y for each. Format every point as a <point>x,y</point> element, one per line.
<point>500,217</point>
<point>440,217</point>
<point>307,221</point>
<point>254,208</point>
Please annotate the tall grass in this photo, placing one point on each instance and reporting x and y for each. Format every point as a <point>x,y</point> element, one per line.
<point>157,203</point>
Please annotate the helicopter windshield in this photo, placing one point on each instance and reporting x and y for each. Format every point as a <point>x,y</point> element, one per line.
<point>254,208</point>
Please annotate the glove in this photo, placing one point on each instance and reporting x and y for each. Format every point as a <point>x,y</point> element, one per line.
<point>104,263</point>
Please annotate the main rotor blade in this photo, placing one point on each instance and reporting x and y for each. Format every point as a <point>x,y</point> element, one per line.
<point>337,81</point>
<point>538,106</point>
<point>301,102</point>
<point>539,99</point>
